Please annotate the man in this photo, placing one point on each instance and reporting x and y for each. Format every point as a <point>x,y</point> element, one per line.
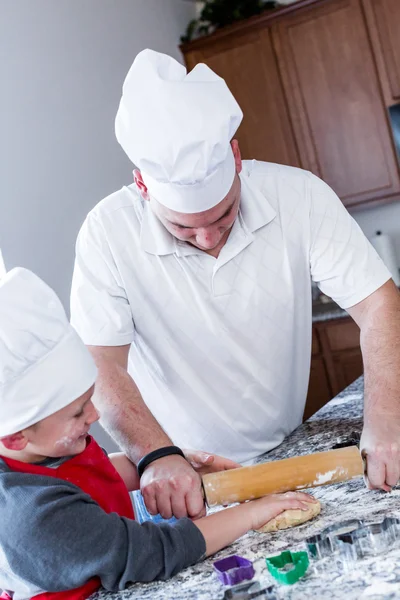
<point>192,289</point>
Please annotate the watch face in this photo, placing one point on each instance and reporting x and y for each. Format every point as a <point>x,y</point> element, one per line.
<point>394,114</point>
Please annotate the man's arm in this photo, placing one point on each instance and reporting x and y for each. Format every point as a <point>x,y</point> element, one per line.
<point>378,317</point>
<point>170,486</point>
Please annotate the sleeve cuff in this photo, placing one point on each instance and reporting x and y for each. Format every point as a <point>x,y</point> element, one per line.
<point>107,340</point>
<point>371,287</point>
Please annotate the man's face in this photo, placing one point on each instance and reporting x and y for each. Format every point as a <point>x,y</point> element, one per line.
<point>207,230</point>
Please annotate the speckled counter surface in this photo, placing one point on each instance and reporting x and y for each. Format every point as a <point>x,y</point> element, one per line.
<point>327,312</point>
<point>375,578</point>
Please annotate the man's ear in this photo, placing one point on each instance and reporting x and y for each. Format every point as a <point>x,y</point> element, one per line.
<point>137,176</point>
<point>16,441</point>
<point>237,155</point>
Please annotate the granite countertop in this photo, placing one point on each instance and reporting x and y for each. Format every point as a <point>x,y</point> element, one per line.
<point>377,577</point>
<point>327,312</point>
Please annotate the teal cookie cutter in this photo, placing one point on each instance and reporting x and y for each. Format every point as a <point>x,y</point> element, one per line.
<point>298,560</point>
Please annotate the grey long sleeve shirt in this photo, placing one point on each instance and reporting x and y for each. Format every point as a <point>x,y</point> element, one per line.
<point>55,537</point>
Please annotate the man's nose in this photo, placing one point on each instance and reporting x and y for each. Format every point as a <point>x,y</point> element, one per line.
<point>208,238</point>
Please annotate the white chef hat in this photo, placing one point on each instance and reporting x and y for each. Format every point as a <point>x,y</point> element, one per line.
<point>44,365</point>
<point>176,127</point>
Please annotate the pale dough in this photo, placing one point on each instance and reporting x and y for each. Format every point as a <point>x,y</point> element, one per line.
<point>291,518</point>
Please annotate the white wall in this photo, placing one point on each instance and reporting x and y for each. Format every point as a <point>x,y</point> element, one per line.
<point>384,218</point>
<point>62,64</point>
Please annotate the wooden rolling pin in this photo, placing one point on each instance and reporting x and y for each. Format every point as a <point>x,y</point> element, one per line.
<point>290,474</point>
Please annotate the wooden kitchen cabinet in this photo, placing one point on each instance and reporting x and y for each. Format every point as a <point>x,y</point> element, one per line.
<point>319,390</point>
<point>340,122</point>
<point>248,64</point>
<point>342,334</point>
<point>336,361</point>
<point>308,77</point>
<point>348,367</point>
<point>384,25</point>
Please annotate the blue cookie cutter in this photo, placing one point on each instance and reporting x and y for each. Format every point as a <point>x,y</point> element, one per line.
<point>141,512</point>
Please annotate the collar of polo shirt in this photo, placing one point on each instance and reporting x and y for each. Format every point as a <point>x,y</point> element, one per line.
<point>255,210</point>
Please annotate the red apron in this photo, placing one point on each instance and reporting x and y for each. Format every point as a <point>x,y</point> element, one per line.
<point>93,472</point>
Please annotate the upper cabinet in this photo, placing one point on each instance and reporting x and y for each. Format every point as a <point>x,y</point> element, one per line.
<point>248,64</point>
<point>309,78</point>
<point>384,24</point>
<point>341,125</point>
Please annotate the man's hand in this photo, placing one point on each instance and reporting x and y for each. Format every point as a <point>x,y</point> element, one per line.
<point>170,486</point>
<point>380,442</point>
<point>204,463</point>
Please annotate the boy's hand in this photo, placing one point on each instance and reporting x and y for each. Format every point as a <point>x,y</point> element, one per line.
<point>267,508</point>
<point>204,463</point>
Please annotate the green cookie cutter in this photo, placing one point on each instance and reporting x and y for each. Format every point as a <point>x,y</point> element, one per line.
<point>300,563</point>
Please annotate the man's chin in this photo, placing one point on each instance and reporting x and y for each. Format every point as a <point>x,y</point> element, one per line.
<point>205,249</point>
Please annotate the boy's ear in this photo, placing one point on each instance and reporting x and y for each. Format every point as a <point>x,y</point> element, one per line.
<point>16,441</point>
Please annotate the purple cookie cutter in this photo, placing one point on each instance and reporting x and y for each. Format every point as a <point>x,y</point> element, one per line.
<point>234,569</point>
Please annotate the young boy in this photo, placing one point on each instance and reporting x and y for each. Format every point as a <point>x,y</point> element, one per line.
<point>67,524</point>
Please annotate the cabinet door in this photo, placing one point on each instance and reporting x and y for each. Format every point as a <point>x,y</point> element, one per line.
<point>343,335</point>
<point>247,63</point>
<point>348,367</point>
<point>339,118</point>
<point>319,392</point>
<point>384,20</point>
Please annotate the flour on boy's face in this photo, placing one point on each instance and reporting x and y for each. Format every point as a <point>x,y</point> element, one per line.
<point>61,434</point>
<point>64,432</point>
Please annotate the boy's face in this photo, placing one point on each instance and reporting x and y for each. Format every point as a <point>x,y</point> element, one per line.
<point>64,433</point>
<point>61,434</point>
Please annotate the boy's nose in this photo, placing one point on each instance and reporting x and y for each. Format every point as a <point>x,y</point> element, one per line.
<point>92,415</point>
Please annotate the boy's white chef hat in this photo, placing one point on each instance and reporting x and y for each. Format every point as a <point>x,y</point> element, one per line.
<point>176,127</point>
<point>44,365</point>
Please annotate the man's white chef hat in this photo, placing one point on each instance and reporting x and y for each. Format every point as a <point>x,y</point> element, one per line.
<point>44,365</point>
<point>176,127</point>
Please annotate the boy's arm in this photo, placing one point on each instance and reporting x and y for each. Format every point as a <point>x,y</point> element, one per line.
<point>126,469</point>
<point>65,538</point>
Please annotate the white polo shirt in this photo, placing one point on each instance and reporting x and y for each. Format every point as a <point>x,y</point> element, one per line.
<point>220,347</point>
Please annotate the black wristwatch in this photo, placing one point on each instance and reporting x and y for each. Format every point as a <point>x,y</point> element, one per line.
<point>155,455</point>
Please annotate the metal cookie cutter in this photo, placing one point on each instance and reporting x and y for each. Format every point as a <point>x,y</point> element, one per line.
<point>336,541</point>
<point>234,569</point>
<point>253,589</point>
<point>298,561</point>
<point>375,538</point>
<point>353,540</point>
<point>343,538</point>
